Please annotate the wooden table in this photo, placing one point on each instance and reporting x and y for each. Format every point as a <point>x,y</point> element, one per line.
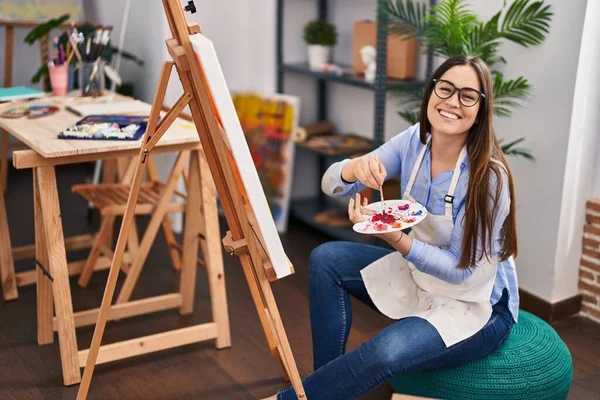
<point>41,136</point>
<point>49,151</point>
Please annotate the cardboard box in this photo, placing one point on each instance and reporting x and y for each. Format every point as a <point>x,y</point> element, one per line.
<point>401,53</point>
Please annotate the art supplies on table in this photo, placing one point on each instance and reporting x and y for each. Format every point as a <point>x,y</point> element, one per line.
<point>88,51</point>
<point>91,78</point>
<point>59,79</point>
<point>19,93</point>
<point>107,127</point>
<point>137,107</point>
<point>31,111</point>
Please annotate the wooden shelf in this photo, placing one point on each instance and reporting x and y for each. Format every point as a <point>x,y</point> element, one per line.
<point>348,78</point>
<point>330,146</point>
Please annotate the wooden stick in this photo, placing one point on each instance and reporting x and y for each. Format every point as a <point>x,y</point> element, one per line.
<point>122,240</point>
<point>45,302</point>
<point>167,229</point>
<point>57,266</point>
<point>7,265</point>
<point>150,233</point>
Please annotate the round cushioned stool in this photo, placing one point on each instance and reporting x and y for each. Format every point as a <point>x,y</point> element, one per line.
<point>532,364</point>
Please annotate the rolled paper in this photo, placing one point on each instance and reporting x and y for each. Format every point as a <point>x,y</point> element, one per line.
<point>303,133</point>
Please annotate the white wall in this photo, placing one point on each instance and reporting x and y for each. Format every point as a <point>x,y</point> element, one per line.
<point>582,157</point>
<point>545,122</point>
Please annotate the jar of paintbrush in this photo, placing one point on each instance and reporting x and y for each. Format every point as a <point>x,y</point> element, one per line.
<point>91,78</point>
<point>91,65</point>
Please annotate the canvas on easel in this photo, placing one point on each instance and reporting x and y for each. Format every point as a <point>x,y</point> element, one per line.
<point>237,145</point>
<point>252,234</point>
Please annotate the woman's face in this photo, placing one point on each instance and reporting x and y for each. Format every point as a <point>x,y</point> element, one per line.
<point>449,116</point>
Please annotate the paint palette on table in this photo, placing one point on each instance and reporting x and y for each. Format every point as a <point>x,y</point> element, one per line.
<point>32,111</point>
<point>397,215</point>
<point>107,127</point>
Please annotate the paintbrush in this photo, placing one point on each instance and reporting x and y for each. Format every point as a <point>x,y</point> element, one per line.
<point>380,187</point>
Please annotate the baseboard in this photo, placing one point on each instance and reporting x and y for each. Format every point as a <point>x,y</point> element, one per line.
<point>549,312</point>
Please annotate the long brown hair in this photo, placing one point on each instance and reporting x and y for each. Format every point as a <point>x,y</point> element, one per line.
<point>482,146</point>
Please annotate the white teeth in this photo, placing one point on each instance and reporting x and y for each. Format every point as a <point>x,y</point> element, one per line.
<point>448,115</point>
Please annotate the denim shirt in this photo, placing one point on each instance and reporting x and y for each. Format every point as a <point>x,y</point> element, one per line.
<point>399,155</point>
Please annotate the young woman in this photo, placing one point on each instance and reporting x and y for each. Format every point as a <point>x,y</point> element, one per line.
<point>451,284</point>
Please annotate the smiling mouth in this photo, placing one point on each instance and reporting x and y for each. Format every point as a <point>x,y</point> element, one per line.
<point>448,115</point>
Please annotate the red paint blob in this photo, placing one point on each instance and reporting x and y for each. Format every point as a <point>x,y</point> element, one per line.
<point>384,217</point>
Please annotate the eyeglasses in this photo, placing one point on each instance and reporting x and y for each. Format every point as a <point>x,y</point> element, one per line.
<point>468,97</point>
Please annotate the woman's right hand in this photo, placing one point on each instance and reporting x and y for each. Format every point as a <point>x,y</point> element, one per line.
<point>366,169</point>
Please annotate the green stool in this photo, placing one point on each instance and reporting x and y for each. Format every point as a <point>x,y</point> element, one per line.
<point>532,364</point>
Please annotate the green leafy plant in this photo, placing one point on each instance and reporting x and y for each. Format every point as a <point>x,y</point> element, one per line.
<point>452,28</point>
<point>320,32</point>
<point>40,32</point>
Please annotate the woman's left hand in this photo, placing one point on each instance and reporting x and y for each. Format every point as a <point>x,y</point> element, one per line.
<point>356,211</point>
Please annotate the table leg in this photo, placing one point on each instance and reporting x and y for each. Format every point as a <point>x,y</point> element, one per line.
<point>190,238</point>
<point>45,302</point>
<point>57,267</point>
<point>5,149</point>
<point>7,265</point>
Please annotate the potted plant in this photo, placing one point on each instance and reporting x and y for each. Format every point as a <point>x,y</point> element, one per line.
<point>451,28</point>
<point>320,35</point>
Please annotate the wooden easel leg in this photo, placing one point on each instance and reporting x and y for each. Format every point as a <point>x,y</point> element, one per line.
<point>275,325</point>
<point>45,302</point>
<point>284,349</point>
<point>213,255</point>
<point>109,173</point>
<point>166,224</point>
<point>128,217</point>
<point>112,279</point>
<point>152,229</point>
<point>7,265</point>
<point>57,266</point>
<point>103,234</point>
<point>126,170</point>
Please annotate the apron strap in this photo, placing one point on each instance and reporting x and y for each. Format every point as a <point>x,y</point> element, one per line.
<point>415,170</point>
<point>449,198</point>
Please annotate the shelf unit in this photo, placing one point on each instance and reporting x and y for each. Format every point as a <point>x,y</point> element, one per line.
<point>306,209</point>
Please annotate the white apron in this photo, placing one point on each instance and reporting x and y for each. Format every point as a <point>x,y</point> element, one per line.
<point>399,290</point>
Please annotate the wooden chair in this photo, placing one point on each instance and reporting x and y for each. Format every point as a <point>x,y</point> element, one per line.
<point>111,201</point>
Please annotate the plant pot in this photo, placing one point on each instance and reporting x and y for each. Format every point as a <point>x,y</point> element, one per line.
<point>318,55</point>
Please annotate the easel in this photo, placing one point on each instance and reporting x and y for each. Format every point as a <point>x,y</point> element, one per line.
<point>243,239</point>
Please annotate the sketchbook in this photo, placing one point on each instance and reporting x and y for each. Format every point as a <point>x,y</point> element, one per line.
<point>130,107</point>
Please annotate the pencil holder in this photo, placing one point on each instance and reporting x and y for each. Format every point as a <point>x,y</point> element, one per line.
<point>72,72</point>
<point>59,79</point>
<point>91,78</point>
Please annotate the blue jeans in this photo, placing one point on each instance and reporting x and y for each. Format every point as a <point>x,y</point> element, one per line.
<point>407,345</point>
